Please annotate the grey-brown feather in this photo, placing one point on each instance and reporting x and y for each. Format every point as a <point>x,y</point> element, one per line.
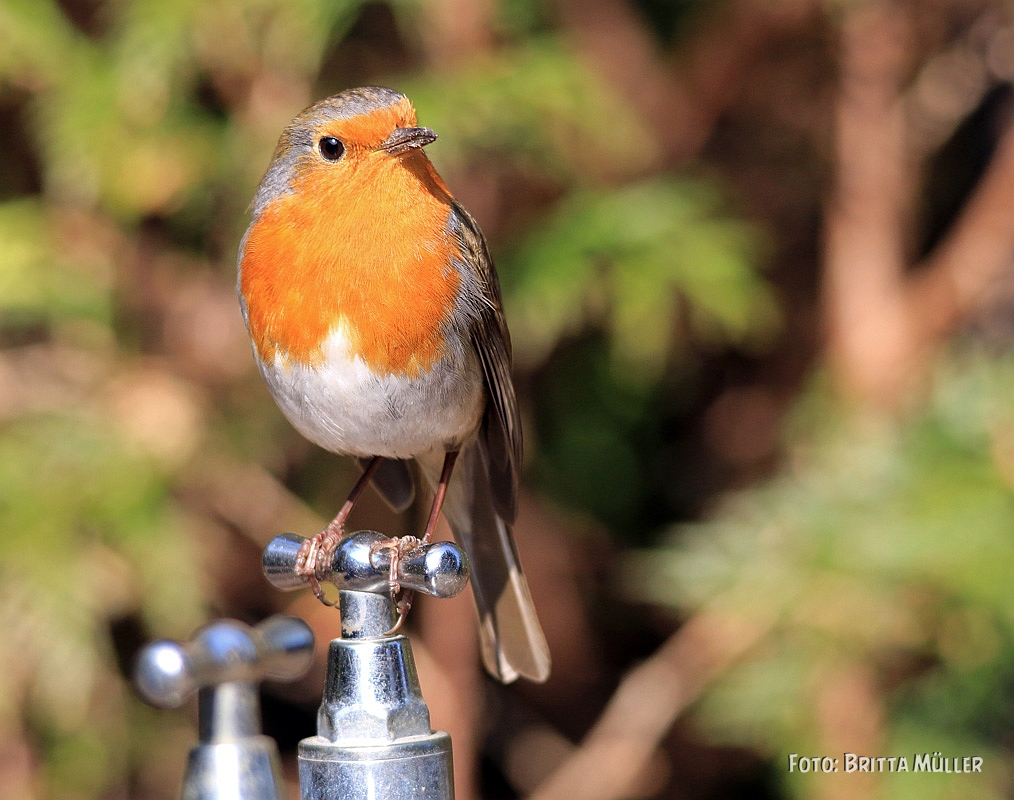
<point>393,479</point>
<point>500,438</point>
<point>483,498</point>
<point>512,642</point>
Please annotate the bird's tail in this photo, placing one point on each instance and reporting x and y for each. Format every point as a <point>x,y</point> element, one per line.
<point>512,640</point>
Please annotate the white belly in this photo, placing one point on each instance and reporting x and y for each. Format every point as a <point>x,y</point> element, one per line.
<point>345,408</point>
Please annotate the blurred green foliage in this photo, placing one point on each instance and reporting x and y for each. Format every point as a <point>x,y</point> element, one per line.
<point>537,108</point>
<point>887,545</point>
<point>136,133</point>
<point>639,251</point>
<point>144,126</point>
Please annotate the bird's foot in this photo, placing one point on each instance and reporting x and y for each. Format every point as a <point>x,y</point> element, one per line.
<point>314,558</point>
<point>397,548</point>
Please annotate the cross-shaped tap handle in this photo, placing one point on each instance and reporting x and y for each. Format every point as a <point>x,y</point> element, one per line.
<point>226,651</point>
<point>224,662</point>
<point>368,561</point>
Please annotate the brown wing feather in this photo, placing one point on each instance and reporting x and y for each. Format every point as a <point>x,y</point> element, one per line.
<point>482,499</point>
<point>500,432</point>
<point>394,482</point>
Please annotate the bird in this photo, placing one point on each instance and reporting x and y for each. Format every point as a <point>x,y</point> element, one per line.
<point>376,321</point>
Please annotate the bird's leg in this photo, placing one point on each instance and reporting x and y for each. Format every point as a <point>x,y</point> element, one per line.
<point>438,497</point>
<point>401,546</point>
<point>314,557</point>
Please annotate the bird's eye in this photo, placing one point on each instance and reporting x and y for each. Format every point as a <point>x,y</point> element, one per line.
<point>331,148</point>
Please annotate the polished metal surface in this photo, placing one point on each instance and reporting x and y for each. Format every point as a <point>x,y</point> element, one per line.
<point>373,728</point>
<point>403,770</point>
<point>371,693</point>
<point>365,615</point>
<point>247,769</point>
<point>223,662</point>
<point>168,672</point>
<point>439,569</point>
<point>279,562</point>
<point>228,711</point>
<point>362,562</point>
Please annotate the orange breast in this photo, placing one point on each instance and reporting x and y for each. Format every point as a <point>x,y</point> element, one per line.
<point>369,256</point>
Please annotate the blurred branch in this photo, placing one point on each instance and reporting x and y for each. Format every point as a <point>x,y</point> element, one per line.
<point>883,325</point>
<point>850,718</point>
<point>868,341</point>
<point>456,30</point>
<point>249,499</point>
<point>978,249</point>
<point>613,758</point>
<point>681,101</point>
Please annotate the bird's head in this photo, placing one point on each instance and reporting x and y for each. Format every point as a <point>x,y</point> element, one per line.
<point>343,139</point>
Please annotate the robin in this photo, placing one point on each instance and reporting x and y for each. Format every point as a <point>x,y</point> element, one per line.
<point>375,316</point>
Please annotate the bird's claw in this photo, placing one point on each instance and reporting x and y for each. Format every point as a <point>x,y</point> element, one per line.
<point>313,561</point>
<point>315,556</point>
<point>397,548</point>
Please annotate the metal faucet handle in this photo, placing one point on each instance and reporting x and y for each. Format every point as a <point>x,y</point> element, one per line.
<point>363,563</point>
<point>168,672</point>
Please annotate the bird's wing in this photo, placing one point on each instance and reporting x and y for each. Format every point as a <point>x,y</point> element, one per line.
<point>500,431</point>
<point>482,498</point>
<point>511,640</point>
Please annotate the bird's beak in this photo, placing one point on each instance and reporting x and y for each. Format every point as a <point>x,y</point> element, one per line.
<point>404,139</point>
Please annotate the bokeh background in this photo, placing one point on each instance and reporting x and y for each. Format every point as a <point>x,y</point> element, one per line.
<point>756,257</point>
